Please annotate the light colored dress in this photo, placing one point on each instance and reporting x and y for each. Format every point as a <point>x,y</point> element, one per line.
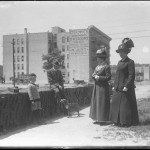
<point>34,96</point>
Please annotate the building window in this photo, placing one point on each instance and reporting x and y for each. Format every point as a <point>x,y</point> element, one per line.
<point>67,65</point>
<point>14,50</point>
<point>55,45</point>
<point>55,37</point>
<point>63,48</point>
<point>67,56</point>
<point>17,49</point>
<point>18,74</point>
<point>22,73</point>
<point>18,59</point>
<point>68,74</point>
<point>18,41</point>
<point>14,58</point>
<point>22,66</point>
<point>63,74</point>
<point>63,39</point>
<point>67,47</point>
<point>22,49</point>
<point>67,38</point>
<point>22,41</point>
<point>18,67</point>
<point>22,58</point>
<point>14,41</point>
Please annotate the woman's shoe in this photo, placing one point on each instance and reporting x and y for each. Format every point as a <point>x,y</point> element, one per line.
<point>116,124</point>
<point>125,125</point>
<point>96,122</point>
<point>103,123</point>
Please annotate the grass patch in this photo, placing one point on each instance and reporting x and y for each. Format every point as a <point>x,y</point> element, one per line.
<point>144,110</point>
<point>134,134</point>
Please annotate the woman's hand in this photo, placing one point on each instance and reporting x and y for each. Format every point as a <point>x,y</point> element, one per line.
<point>60,87</point>
<point>113,88</point>
<point>96,77</point>
<point>125,89</point>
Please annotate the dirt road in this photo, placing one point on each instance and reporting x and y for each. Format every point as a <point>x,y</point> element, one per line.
<point>75,131</point>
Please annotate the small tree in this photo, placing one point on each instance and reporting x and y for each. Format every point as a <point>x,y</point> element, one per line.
<point>48,58</point>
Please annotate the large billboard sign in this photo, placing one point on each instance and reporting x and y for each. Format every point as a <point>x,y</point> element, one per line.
<point>79,42</point>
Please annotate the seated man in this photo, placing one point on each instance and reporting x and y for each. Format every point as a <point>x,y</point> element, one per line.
<point>55,80</point>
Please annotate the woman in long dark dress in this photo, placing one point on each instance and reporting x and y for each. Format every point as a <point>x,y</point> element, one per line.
<point>100,102</point>
<point>124,107</point>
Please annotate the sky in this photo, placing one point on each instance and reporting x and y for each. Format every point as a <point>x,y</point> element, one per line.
<point>117,19</point>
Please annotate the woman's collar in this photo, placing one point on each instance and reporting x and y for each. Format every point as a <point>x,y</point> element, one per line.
<point>124,58</point>
<point>102,64</point>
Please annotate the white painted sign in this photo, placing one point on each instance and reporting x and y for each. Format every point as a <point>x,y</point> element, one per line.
<point>79,42</point>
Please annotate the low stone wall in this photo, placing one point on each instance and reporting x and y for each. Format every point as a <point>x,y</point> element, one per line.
<point>15,107</point>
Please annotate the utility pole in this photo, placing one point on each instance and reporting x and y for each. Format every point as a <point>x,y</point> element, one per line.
<point>13,43</point>
<point>14,89</point>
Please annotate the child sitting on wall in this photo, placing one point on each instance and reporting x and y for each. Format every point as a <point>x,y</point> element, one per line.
<point>36,110</point>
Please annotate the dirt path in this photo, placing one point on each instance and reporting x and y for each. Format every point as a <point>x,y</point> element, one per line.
<point>78,131</point>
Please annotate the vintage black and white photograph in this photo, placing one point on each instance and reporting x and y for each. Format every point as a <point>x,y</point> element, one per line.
<point>74,74</point>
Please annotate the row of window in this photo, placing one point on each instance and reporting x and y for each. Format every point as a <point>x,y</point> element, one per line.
<point>64,39</point>
<point>63,48</point>
<point>19,67</point>
<point>18,50</point>
<point>18,58</point>
<point>18,74</point>
<point>18,41</point>
<point>67,65</point>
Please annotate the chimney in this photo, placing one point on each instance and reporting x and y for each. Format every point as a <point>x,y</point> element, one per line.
<point>25,30</point>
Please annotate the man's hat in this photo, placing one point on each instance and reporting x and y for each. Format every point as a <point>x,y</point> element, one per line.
<point>32,74</point>
<point>55,62</point>
<point>101,53</point>
<point>126,45</point>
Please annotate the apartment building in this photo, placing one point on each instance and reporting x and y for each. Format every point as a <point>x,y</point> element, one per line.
<point>82,47</point>
<point>78,45</point>
<point>28,49</point>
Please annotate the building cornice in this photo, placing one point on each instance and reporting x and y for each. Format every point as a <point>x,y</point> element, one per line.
<point>96,29</point>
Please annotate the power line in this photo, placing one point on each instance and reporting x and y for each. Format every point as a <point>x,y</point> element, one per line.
<point>128,32</point>
<point>123,32</point>
<point>133,37</point>
<point>126,25</point>
<point>102,27</point>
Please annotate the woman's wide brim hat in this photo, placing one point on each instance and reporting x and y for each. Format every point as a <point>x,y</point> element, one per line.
<point>123,48</point>
<point>56,63</point>
<point>101,53</point>
<point>126,45</point>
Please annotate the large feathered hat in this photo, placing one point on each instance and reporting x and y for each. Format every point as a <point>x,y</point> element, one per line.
<point>126,45</point>
<point>101,53</point>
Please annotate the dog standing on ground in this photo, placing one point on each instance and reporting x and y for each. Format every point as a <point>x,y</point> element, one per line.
<point>70,106</point>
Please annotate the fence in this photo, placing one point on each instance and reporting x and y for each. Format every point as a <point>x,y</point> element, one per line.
<point>15,107</point>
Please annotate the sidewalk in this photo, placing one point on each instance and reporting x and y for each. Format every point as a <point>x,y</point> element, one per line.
<point>74,131</point>
<point>66,132</point>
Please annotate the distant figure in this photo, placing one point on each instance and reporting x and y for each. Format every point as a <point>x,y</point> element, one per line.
<point>36,109</point>
<point>124,111</point>
<point>100,102</point>
<point>4,80</point>
<point>56,82</point>
<point>1,78</point>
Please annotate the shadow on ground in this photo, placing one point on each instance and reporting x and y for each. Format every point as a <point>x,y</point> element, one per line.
<point>27,126</point>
